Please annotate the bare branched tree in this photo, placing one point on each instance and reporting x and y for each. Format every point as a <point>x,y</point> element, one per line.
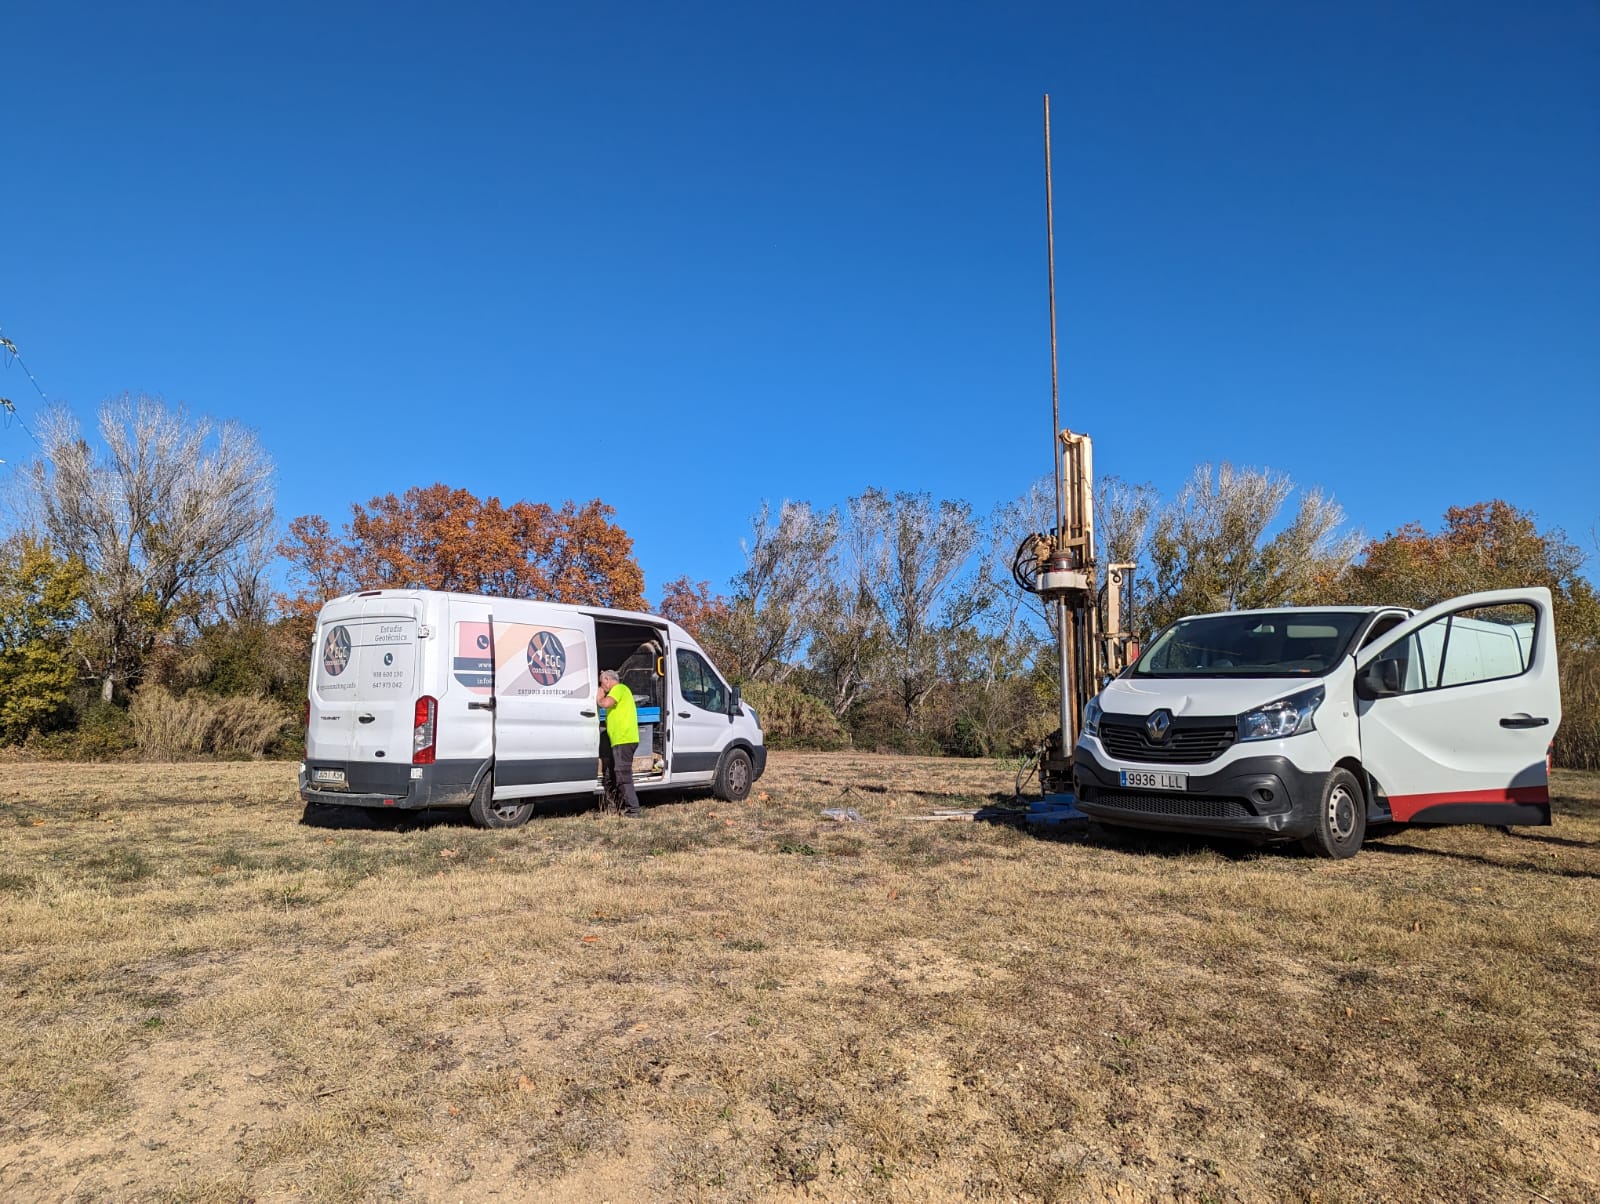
<point>780,589</point>
<point>928,545</point>
<point>846,640</point>
<point>164,521</point>
<point>1209,548</point>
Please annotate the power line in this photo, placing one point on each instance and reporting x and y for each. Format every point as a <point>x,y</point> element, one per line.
<point>9,406</point>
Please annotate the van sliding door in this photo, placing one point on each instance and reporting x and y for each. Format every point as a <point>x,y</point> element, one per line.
<point>546,725</point>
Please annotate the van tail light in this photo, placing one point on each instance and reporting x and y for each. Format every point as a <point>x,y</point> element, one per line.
<point>305,721</point>
<point>424,727</point>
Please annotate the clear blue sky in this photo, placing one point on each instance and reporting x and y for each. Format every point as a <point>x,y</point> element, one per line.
<point>685,256</point>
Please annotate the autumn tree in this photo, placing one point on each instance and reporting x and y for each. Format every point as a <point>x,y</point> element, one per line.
<point>156,519</point>
<point>451,539</point>
<point>704,615</point>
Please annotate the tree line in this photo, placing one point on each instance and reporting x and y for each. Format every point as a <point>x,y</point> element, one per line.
<point>138,607</point>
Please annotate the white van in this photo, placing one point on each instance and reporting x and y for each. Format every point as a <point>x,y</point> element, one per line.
<point>426,699</point>
<point>1311,723</point>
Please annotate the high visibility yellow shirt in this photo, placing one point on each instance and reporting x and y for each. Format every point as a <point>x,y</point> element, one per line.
<point>622,720</point>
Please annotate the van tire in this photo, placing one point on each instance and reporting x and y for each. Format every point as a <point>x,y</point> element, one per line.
<point>735,775</point>
<point>487,813</point>
<point>1341,820</point>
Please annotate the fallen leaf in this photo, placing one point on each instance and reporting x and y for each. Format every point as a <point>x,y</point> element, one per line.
<point>639,1028</point>
<point>763,796</point>
<point>1349,1013</point>
<point>38,823</point>
<point>590,939</point>
<point>454,1111</point>
<point>524,1083</point>
<point>894,894</point>
<point>447,852</point>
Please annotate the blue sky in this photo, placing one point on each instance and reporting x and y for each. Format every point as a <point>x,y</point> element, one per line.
<point>683,257</point>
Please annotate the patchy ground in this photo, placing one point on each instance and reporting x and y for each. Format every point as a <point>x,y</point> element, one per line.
<point>208,999</point>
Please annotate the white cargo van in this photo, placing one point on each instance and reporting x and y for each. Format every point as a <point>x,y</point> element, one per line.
<point>426,699</point>
<point>1311,723</point>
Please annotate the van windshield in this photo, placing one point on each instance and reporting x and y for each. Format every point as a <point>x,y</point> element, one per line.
<point>1297,644</point>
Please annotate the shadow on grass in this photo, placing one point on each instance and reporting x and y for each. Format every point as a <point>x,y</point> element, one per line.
<point>386,819</point>
<point>1137,842</point>
<point>1411,850</point>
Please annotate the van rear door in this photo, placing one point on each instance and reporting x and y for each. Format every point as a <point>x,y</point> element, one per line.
<point>1458,706</point>
<point>363,688</point>
<point>546,722</point>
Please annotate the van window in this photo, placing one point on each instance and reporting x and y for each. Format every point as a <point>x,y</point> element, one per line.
<point>1486,643</point>
<point>699,684</point>
<point>367,660</point>
<point>1242,644</point>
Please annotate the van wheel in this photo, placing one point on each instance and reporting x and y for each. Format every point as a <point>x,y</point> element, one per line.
<point>734,776</point>
<point>1341,819</point>
<point>487,813</point>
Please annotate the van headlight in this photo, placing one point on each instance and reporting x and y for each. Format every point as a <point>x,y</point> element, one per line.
<point>1287,717</point>
<point>1091,717</point>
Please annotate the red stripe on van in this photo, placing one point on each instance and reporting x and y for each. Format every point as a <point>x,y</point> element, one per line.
<point>1404,806</point>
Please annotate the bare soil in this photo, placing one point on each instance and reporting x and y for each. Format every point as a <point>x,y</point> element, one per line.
<point>210,995</point>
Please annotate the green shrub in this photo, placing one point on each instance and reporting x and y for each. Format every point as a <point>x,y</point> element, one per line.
<point>791,718</point>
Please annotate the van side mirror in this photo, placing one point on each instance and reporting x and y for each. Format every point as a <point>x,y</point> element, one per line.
<point>1380,679</point>
<point>735,704</point>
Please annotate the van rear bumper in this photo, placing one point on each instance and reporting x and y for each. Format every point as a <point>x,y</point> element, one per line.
<point>1261,797</point>
<point>397,787</point>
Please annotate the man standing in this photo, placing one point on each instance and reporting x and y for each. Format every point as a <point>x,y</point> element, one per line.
<point>622,733</point>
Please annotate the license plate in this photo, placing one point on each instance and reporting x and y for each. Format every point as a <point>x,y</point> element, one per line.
<point>328,777</point>
<point>1144,779</point>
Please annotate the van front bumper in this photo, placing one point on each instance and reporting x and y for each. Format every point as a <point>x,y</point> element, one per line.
<point>1267,797</point>
<point>397,787</point>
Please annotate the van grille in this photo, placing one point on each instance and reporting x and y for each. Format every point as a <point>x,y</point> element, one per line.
<point>1189,742</point>
<point>1197,805</point>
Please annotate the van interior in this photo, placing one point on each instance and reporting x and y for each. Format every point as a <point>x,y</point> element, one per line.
<point>638,654</point>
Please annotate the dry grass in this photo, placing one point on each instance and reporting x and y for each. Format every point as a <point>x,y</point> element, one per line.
<point>207,999</point>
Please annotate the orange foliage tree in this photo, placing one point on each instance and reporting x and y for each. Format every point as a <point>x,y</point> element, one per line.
<point>704,615</point>
<point>451,539</point>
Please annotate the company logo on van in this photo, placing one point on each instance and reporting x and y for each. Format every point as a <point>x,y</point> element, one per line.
<point>336,652</point>
<point>1158,725</point>
<point>547,659</point>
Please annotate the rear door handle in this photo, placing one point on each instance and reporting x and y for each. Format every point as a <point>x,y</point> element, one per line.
<point>365,718</point>
<point>587,714</point>
<point>481,706</point>
<point>1524,721</point>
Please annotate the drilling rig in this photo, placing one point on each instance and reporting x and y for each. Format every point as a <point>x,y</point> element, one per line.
<point>1092,631</point>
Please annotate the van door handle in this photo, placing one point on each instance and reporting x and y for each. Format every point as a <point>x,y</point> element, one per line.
<point>1523,721</point>
<point>481,706</point>
<point>683,714</point>
<point>587,714</point>
<point>365,718</point>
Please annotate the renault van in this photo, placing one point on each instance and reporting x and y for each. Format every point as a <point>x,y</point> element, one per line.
<point>426,699</point>
<point>1312,723</point>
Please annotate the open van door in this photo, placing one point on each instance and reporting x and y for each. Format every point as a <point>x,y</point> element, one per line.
<point>1457,707</point>
<point>546,723</point>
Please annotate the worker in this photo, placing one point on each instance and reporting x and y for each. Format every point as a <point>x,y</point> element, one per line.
<point>622,734</point>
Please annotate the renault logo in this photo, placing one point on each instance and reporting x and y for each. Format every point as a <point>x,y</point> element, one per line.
<point>1158,725</point>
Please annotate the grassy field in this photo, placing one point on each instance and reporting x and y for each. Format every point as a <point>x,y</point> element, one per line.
<point>207,997</point>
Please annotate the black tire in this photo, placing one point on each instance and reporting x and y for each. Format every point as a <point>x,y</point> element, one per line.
<point>1341,822</point>
<point>735,776</point>
<point>486,813</point>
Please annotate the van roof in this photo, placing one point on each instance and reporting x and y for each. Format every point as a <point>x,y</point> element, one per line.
<point>596,612</point>
<point>1300,610</point>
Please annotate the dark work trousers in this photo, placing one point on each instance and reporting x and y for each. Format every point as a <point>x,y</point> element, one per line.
<point>616,768</point>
